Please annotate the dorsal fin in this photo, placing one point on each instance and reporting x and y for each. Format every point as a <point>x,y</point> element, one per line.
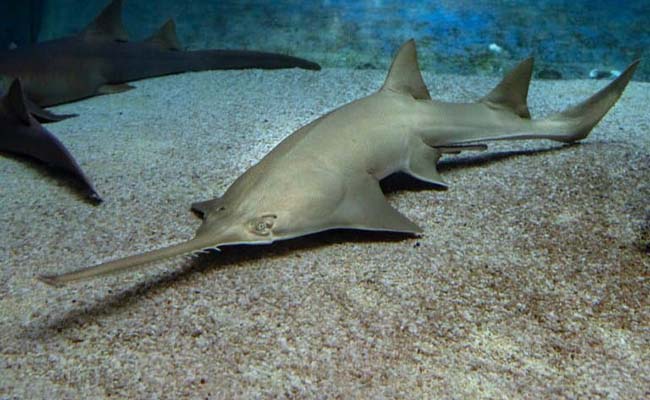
<point>108,24</point>
<point>511,93</point>
<point>166,37</point>
<point>15,101</point>
<point>404,75</point>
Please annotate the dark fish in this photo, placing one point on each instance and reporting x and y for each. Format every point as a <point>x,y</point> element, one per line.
<point>22,134</point>
<point>101,60</point>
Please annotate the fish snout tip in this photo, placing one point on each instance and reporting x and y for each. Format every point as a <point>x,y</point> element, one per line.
<point>95,198</point>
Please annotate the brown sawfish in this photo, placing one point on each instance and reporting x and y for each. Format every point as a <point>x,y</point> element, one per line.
<point>326,174</point>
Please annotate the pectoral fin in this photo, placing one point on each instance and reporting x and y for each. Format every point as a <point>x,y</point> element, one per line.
<point>45,116</point>
<point>365,207</point>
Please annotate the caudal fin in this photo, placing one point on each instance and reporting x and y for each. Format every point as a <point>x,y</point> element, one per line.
<point>576,122</point>
<point>570,125</point>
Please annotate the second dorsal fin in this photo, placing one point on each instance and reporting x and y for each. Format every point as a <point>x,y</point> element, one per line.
<point>166,37</point>
<point>107,25</point>
<point>511,93</point>
<point>404,75</point>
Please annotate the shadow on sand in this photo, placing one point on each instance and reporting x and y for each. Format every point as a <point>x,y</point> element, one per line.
<point>235,256</point>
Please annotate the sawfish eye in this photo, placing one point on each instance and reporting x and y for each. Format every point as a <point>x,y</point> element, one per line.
<point>262,226</point>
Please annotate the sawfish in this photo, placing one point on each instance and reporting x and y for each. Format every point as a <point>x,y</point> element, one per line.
<point>101,60</point>
<point>22,134</point>
<point>326,174</point>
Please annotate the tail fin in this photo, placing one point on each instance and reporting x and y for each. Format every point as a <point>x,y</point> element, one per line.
<point>512,92</point>
<point>568,126</point>
<point>127,263</point>
<point>576,122</point>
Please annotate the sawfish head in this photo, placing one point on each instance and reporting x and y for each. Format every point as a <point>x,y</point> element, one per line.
<point>225,225</point>
<point>256,209</point>
<point>261,208</point>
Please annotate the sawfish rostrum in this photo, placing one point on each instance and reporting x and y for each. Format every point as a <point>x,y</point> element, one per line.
<point>326,174</point>
<point>101,59</point>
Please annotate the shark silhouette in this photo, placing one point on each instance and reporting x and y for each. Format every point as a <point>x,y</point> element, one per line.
<point>22,134</point>
<point>326,174</point>
<point>100,60</point>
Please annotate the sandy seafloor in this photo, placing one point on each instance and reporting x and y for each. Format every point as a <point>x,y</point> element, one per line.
<point>531,280</point>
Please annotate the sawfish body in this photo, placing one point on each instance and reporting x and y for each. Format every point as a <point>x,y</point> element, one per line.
<point>22,134</point>
<point>101,60</point>
<point>326,175</point>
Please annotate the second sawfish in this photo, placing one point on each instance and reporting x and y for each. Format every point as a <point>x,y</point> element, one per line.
<point>100,60</point>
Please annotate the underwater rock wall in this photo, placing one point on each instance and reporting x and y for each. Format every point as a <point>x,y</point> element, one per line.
<point>569,39</point>
<point>19,22</point>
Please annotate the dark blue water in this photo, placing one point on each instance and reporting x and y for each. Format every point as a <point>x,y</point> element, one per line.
<point>568,37</point>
